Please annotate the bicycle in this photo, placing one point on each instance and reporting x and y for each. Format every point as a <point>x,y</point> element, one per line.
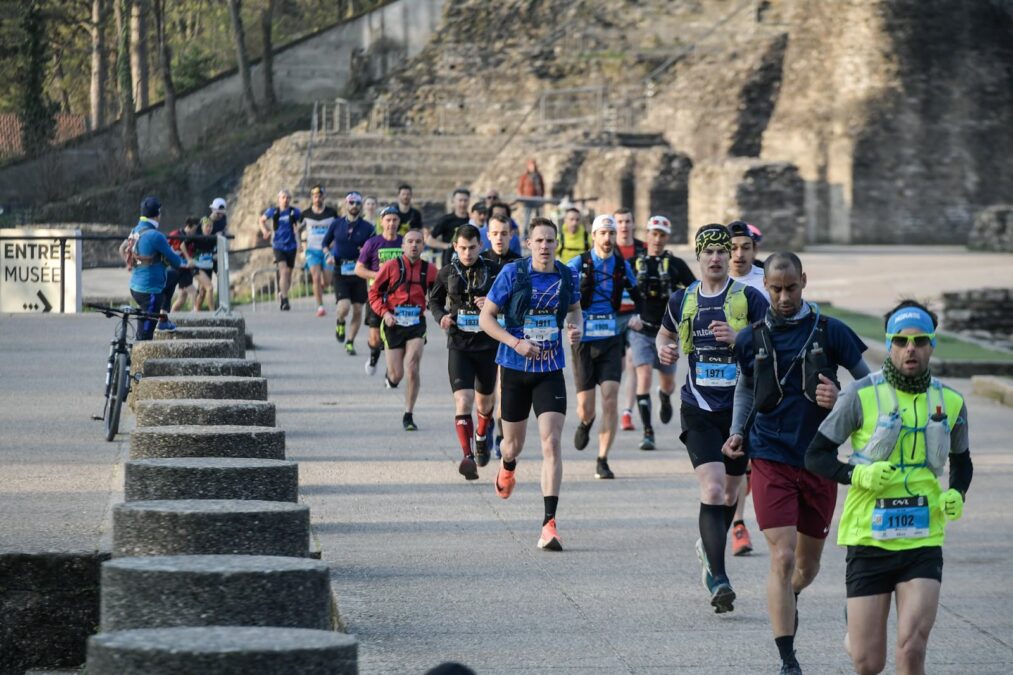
<point>118,376</point>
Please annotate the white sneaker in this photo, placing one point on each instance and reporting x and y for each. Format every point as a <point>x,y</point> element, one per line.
<point>370,368</point>
<point>321,311</point>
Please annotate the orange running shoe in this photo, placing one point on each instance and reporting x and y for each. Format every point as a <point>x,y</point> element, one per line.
<point>504,482</point>
<point>627,420</point>
<point>549,541</point>
<point>741,545</point>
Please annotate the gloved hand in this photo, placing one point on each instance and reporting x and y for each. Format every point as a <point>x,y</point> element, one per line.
<point>873,476</point>
<point>952,504</point>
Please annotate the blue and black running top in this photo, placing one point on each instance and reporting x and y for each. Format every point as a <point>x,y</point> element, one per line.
<point>540,320</point>
<point>713,370</point>
<point>600,317</point>
<point>284,227</point>
<point>153,244</point>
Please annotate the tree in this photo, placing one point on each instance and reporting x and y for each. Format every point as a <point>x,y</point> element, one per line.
<point>165,66</point>
<point>128,119</point>
<point>139,52</point>
<point>267,64</point>
<point>243,61</point>
<point>97,99</point>
<point>38,113</point>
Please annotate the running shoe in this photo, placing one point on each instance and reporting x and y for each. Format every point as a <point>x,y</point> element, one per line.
<point>741,544</point>
<point>467,468</point>
<point>339,331</point>
<point>705,566</point>
<point>284,305</point>
<point>387,383</point>
<point>370,367</point>
<point>791,668</point>
<point>166,326</point>
<point>666,406</point>
<point>481,450</point>
<point>350,349</point>
<point>582,435</point>
<point>549,541</point>
<point>321,311</point>
<point>602,469</point>
<point>504,483</point>
<point>722,597</point>
<point>408,422</point>
<point>647,443</point>
<point>627,421</point>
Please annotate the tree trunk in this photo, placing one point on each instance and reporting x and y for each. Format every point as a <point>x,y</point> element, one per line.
<point>128,121</point>
<point>165,66</point>
<point>243,61</point>
<point>267,65</point>
<point>98,64</point>
<point>139,53</point>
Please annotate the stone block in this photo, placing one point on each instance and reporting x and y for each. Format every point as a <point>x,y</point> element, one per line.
<point>181,349</point>
<point>202,320</point>
<point>223,650</point>
<point>210,527</point>
<point>211,478</point>
<point>204,411</point>
<point>215,590</point>
<point>197,386</point>
<point>207,441</point>
<point>208,367</point>
<point>206,333</point>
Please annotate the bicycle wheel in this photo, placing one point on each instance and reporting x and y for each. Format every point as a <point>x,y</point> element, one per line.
<point>117,395</point>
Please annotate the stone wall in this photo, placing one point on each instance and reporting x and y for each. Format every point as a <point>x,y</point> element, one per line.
<point>993,230</point>
<point>984,313</point>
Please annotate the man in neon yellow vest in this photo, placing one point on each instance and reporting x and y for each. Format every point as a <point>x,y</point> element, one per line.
<point>903,424</point>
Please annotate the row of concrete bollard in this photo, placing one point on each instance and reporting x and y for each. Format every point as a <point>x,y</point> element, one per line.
<point>211,567</point>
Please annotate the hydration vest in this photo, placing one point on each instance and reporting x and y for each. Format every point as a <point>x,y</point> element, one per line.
<point>588,283</point>
<point>520,294</point>
<point>736,309</point>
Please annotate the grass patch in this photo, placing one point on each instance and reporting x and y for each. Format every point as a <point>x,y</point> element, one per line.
<point>948,347</point>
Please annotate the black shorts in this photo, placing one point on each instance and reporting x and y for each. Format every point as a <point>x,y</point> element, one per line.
<point>287,257</point>
<point>472,370</point>
<point>520,392</point>
<point>184,278</point>
<point>703,434</point>
<point>875,571</point>
<point>371,320</point>
<point>396,337</point>
<point>350,288</point>
<point>598,361</point>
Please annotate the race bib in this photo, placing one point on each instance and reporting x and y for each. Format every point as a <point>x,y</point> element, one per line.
<point>900,518</point>
<point>407,315</point>
<point>348,268</point>
<point>716,371</point>
<point>467,320</point>
<point>540,326</point>
<point>205,261</point>
<point>600,325</point>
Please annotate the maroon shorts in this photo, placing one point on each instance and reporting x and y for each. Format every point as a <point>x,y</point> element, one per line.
<point>789,496</point>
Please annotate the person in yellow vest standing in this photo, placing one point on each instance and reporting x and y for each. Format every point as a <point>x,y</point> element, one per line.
<point>702,322</point>
<point>904,424</point>
<point>573,236</point>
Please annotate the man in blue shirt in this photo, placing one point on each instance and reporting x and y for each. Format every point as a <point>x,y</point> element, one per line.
<point>789,363</point>
<point>598,357</point>
<point>283,240</point>
<point>703,322</point>
<point>537,298</point>
<point>152,253</point>
<point>345,237</point>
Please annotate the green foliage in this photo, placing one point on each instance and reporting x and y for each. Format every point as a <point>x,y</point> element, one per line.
<point>193,67</point>
<point>37,112</point>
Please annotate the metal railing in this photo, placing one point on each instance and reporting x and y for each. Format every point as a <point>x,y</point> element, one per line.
<point>266,291</point>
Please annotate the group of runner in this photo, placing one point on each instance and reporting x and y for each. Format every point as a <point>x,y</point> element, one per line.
<point>762,390</point>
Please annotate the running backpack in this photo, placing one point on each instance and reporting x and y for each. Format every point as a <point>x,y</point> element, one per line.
<point>588,283</point>
<point>128,252</point>
<point>403,275</point>
<point>520,296</point>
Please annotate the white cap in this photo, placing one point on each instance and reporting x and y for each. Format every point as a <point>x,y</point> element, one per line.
<point>218,204</point>
<point>603,222</point>
<point>659,223</point>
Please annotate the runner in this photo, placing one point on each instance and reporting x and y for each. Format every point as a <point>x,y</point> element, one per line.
<point>183,277</point>
<point>410,218</point>
<point>573,236</point>
<point>455,302</point>
<point>317,221</point>
<point>441,236</point>
<point>538,298</point>
<point>789,364</point>
<point>283,240</point>
<point>702,322</point>
<point>630,248</point>
<point>369,206</point>
<point>659,274</point>
<point>598,358</point>
<point>501,209</point>
<point>477,217</point>
<point>896,510</point>
<point>376,251</point>
<point>398,297</point>
<point>204,264</point>
<point>152,254</point>
<point>346,238</point>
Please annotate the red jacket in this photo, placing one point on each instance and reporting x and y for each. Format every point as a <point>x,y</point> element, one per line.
<point>408,292</point>
<point>531,185</point>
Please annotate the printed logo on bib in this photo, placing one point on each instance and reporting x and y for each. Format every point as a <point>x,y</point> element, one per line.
<point>467,320</point>
<point>540,326</point>
<point>348,268</point>
<point>600,325</point>
<point>407,315</point>
<point>900,518</point>
<point>716,371</point>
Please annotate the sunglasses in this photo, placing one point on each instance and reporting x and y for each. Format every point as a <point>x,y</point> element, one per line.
<point>354,203</point>
<point>920,340</point>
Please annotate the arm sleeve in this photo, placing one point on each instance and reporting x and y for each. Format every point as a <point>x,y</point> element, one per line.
<point>860,369</point>
<point>499,294</point>
<point>742,406</point>
<point>438,297</point>
<point>961,470</point>
<point>846,416</point>
<point>821,459</point>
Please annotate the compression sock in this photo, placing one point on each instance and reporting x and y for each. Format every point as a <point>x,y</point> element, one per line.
<point>786,648</point>
<point>714,535</point>
<point>374,355</point>
<point>730,515</point>
<point>511,465</point>
<point>644,406</point>
<point>465,431</point>
<point>550,508</point>
<point>482,428</point>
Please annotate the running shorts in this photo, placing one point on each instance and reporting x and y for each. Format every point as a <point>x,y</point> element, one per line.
<point>789,496</point>
<point>316,258</point>
<point>598,361</point>
<point>876,571</point>
<point>472,370</point>
<point>287,257</point>
<point>645,353</point>
<point>371,320</point>
<point>703,434</point>
<point>520,392</point>
<point>350,288</point>
<point>396,337</point>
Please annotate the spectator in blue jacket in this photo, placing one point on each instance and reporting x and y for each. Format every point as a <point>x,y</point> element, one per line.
<point>152,254</point>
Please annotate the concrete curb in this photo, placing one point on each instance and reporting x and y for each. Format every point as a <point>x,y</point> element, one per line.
<point>237,388</point>
<point>176,349</point>
<point>204,412</point>
<point>211,478</point>
<point>229,367</point>
<point>206,333</point>
<point>207,441</point>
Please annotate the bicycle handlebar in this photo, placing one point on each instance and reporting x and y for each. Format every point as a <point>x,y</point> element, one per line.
<point>125,310</point>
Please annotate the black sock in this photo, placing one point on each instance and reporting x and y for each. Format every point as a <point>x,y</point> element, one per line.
<point>511,465</point>
<point>738,522</point>
<point>730,515</point>
<point>786,648</point>
<point>644,406</point>
<point>714,533</point>
<point>550,508</point>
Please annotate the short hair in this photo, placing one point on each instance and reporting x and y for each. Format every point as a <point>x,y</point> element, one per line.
<point>782,260</point>
<point>539,221</point>
<point>910,302</point>
<point>413,230</point>
<point>462,191</point>
<point>285,192</point>
<point>574,209</point>
<point>317,188</point>
<point>500,219</point>
<point>404,186</point>
<point>479,207</point>
<point>623,210</point>
<point>500,205</point>
<point>191,221</point>
<point>468,232</point>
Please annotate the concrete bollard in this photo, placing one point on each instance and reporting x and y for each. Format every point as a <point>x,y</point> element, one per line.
<point>197,386</point>
<point>207,367</point>
<point>211,527</point>
<point>223,650</point>
<point>215,590</point>
<point>203,412</point>
<point>211,478</point>
<point>211,321</point>
<point>177,349</point>
<point>206,333</point>
<point>207,441</point>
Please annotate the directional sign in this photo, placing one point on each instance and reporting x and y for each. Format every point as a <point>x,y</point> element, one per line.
<point>30,270</point>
